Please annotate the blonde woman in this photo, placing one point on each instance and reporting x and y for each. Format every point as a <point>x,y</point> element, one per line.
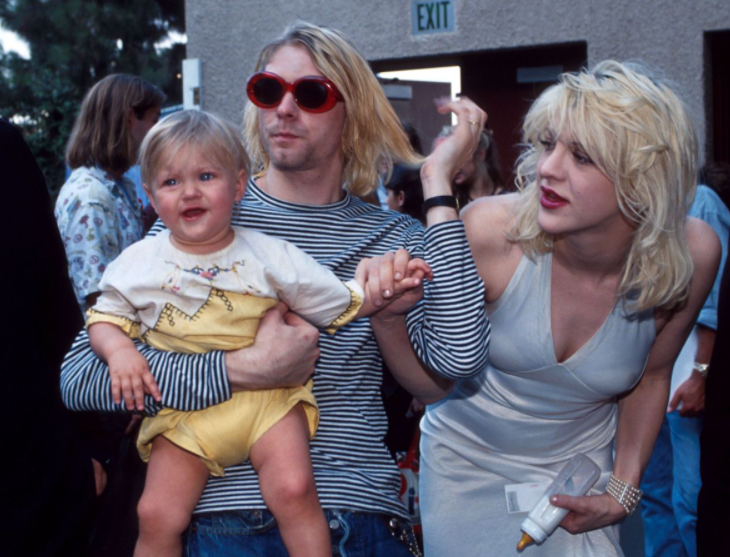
<point>593,279</point>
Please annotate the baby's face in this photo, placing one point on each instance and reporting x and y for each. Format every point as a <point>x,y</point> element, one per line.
<point>194,196</point>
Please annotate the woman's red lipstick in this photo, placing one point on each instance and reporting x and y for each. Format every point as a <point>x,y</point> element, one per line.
<point>550,199</point>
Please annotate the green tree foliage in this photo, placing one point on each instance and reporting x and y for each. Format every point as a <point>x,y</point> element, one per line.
<point>73,44</point>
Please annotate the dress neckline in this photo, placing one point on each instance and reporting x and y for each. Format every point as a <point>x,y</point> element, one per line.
<point>588,344</point>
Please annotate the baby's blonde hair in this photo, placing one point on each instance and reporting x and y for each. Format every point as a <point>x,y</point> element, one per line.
<point>213,136</point>
<point>639,134</point>
<point>372,129</point>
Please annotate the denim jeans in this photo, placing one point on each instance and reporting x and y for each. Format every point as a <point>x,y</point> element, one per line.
<point>671,485</point>
<point>255,533</point>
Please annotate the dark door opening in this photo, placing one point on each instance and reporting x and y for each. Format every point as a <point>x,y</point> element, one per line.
<point>717,87</point>
<point>504,83</point>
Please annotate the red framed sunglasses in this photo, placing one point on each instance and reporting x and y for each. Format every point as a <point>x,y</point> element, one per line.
<point>312,93</point>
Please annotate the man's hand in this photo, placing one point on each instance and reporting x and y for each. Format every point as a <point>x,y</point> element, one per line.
<point>99,477</point>
<point>283,354</point>
<point>131,378</point>
<point>691,395</point>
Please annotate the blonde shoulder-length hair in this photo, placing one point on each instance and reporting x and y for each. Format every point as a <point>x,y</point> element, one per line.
<point>372,130</point>
<point>639,134</point>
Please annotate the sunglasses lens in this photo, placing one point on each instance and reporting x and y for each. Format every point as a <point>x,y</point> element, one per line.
<point>268,91</point>
<point>311,94</point>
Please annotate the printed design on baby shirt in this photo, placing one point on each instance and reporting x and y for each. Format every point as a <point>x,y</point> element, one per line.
<point>226,321</point>
<point>209,306</point>
<point>173,281</point>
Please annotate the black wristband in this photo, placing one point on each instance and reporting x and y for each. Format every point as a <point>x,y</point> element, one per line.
<point>440,201</point>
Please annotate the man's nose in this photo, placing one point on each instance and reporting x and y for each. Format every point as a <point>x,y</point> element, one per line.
<point>288,106</point>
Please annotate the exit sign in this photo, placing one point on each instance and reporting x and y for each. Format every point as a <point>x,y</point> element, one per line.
<point>433,17</point>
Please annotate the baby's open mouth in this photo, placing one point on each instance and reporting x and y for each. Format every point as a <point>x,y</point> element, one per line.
<point>192,213</point>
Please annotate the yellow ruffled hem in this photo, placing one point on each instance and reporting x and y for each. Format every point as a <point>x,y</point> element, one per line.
<point>356,302</point>
<point>130,328</point>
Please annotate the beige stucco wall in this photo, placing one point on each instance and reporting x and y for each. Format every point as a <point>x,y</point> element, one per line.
<point>227,35</point>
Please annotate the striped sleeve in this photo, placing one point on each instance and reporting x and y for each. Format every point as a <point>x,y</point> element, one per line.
<point>186,381</point>
<point>449,330</point>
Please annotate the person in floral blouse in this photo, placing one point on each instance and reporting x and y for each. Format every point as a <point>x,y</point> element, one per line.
<point>97,210</point>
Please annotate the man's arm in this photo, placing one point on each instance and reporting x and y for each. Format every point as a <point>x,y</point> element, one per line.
<point>691,393</point>
<point>283,354</point>
<point>187,381</point>
<point>449,330</point>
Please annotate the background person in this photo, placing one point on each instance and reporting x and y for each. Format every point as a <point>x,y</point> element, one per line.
<point>481,175</point>
<point>671,483</point>
<point>98,215</point>
<point>713,513</point>
<point>593,278</point>
<point>97,210</point>
<point>405,192</point>
<point>50,491</point>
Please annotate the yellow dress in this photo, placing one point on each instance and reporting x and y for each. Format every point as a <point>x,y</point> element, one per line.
<point>197,303</point>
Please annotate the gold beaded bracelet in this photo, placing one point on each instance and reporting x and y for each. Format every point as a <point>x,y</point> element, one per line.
<point>626,495</point>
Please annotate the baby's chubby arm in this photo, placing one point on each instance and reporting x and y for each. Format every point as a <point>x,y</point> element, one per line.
<point>128,369</point>
<point>391,277</point>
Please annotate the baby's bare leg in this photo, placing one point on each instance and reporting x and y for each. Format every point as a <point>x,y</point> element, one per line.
<point>174,484</point>
<point>281,458</point>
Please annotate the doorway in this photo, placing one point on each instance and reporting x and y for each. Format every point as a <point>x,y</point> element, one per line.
<point>504,83</point>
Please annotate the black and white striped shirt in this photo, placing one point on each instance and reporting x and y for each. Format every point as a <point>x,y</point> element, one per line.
<point>353,469</point>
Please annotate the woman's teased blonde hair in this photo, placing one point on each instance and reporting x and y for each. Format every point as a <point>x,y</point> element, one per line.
<point>213,137</point>
<point>638,133</point>
<point>372,130</point>
<point>101,134</point>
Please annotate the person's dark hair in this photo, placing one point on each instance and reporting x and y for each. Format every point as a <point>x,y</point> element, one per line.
<point>413,138</point>
<point>489,159</point>
<point>491,162</point>
<point>494,169</point>
<point>407,179</point>
<point>716,175</point>
<point>101,134</point>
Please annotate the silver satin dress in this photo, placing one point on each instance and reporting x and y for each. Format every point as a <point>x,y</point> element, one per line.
<point>522,419</point>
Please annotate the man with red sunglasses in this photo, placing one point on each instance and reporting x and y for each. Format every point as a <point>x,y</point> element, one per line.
<point>317,126</point>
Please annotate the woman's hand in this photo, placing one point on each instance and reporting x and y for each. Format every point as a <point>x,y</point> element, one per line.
<point>590,512</point>
<point>391,280</point>
<point>453,151</point>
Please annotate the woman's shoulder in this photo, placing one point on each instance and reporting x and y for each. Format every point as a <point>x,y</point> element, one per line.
<point>487,220</point>
<point>87,183</point>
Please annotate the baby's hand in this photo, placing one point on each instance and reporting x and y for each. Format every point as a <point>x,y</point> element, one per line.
<point>131,378</point>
